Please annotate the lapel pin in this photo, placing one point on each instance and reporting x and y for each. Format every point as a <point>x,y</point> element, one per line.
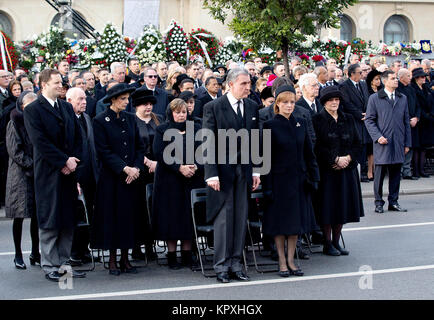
<point>107,119</point>
<point>298,124</point>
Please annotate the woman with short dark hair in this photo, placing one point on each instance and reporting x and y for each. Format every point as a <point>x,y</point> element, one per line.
<point>171,216</point>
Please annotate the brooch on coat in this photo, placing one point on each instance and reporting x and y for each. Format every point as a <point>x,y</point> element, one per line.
<point>298,124</point>
<point>107,119</point>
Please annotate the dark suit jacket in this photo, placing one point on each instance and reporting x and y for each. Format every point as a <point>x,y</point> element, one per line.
<point>55,137</point>
<point>218,114</point>
<point>89,162</point>
<point>100,91</point>
<point>302,103</point>
<point>91,106</point>
<point>355,104</point>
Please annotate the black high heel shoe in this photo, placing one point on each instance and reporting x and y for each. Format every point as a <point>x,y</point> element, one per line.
<point>19,263</point>
<point>35,259</point>
<point>124,268</point>
<point>296,272</point>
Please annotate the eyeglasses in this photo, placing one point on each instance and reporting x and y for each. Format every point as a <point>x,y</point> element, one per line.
<point>4,77</point>
<point>155,77</point>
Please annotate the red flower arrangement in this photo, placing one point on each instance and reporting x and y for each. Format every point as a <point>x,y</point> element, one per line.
<point>11,53</point>
<point>318,58</point>
<point>212,43</point>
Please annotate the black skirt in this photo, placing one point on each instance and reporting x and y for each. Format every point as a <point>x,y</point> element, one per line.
<point>339,197</point>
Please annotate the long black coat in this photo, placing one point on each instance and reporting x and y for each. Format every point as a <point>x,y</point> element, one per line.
<point>171,203</point>
<point>425,101</point>
<point>355,103</point>
<point>118,145</point>
<point>218,114</point>
<point>293,170</point>
<point>20,191</point>
<point>413,111</point>
<point>55,138</point>
<point>339,196</point>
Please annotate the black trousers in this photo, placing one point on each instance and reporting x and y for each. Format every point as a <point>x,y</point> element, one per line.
<point>394,182</point>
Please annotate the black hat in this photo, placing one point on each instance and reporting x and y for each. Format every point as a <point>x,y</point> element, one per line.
<point>266,93</point>
<point>117,90</point>
<point>179,79</point>
<point>284,88</point>
<point>216,69</point>
<point>265,69</point>
<point>187,95</point>
<point>329,92</point>
<point>371,75</point>
<point>141,96</point>
<point>418,72</point>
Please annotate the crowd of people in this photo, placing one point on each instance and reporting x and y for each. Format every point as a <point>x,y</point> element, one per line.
<point>99,133</point>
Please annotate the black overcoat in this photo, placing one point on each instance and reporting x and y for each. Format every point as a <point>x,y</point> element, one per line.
<point>425,101</point>
<point>355,103</point>
<point>294,169</point>
<point>118,144</point>
<point>413,111</point>
<point>55,137</point>
<point>171,203</point>
<point>339,196</point>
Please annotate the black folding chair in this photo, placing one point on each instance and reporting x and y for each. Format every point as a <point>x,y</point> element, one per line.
<point>202,229</point>
<point>254,223</point>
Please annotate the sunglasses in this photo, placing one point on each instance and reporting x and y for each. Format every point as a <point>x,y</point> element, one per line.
<point>155,77</point>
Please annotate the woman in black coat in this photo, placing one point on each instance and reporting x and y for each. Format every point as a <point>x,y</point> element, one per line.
<point>121,153</point>
<point>294,173</point>
<point>425,102</point>
<point>338,145</point>
<point>171,216</point>
<point>20,192</point>
<point>147,122</point>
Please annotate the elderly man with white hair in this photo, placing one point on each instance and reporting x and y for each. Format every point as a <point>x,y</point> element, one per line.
<point>310,89</point>
<point>87,173</point>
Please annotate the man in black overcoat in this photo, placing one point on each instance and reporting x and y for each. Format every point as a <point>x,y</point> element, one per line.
<point>54,132</point>
<point>355,99</point>
<point>87,173</point>
<point>229,185</point>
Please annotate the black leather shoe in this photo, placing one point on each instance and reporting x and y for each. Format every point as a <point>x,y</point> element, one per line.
<point>284,274</point>
<point>19,263</point>
<point>296,272</point>
<point>239,275</point>
<point>409,178</point>
<point>396,207</point>
<point>379,209</point>
<point>223,277</point>
<point>424,175</point>
<point>114,272</point>
<point>35,259</point>
<point>341,250</point>
<point>330,250</point>
<point>53,276</point>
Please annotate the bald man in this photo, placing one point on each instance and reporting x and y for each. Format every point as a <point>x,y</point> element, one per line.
<point>87,173</point>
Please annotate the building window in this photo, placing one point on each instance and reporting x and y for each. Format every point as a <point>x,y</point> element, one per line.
<point>5,24</point>
<point>396,30</point>
<point>70,27</point>
<point>347,28</point>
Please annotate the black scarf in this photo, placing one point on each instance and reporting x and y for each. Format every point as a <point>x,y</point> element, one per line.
<point>172,124</point>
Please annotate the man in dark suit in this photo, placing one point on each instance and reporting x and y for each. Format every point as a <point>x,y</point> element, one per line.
<point>229,185</point>
<point>54,132</point>
<point>310,88</point>
<point>212,90</point>
<point>79,82</point>
<point>87,173</point>
<point>355,99</point>
<point>193,72</point>
<point>151,79</point>
<point>101,86</point>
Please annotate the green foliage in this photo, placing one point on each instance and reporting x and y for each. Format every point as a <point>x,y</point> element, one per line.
<point>277,24</point>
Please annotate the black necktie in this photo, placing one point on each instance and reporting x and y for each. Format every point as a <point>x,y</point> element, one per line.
<point>392,98</point>
<point>56,107</point>
<point>240,115</point>
<point>313,106</point>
